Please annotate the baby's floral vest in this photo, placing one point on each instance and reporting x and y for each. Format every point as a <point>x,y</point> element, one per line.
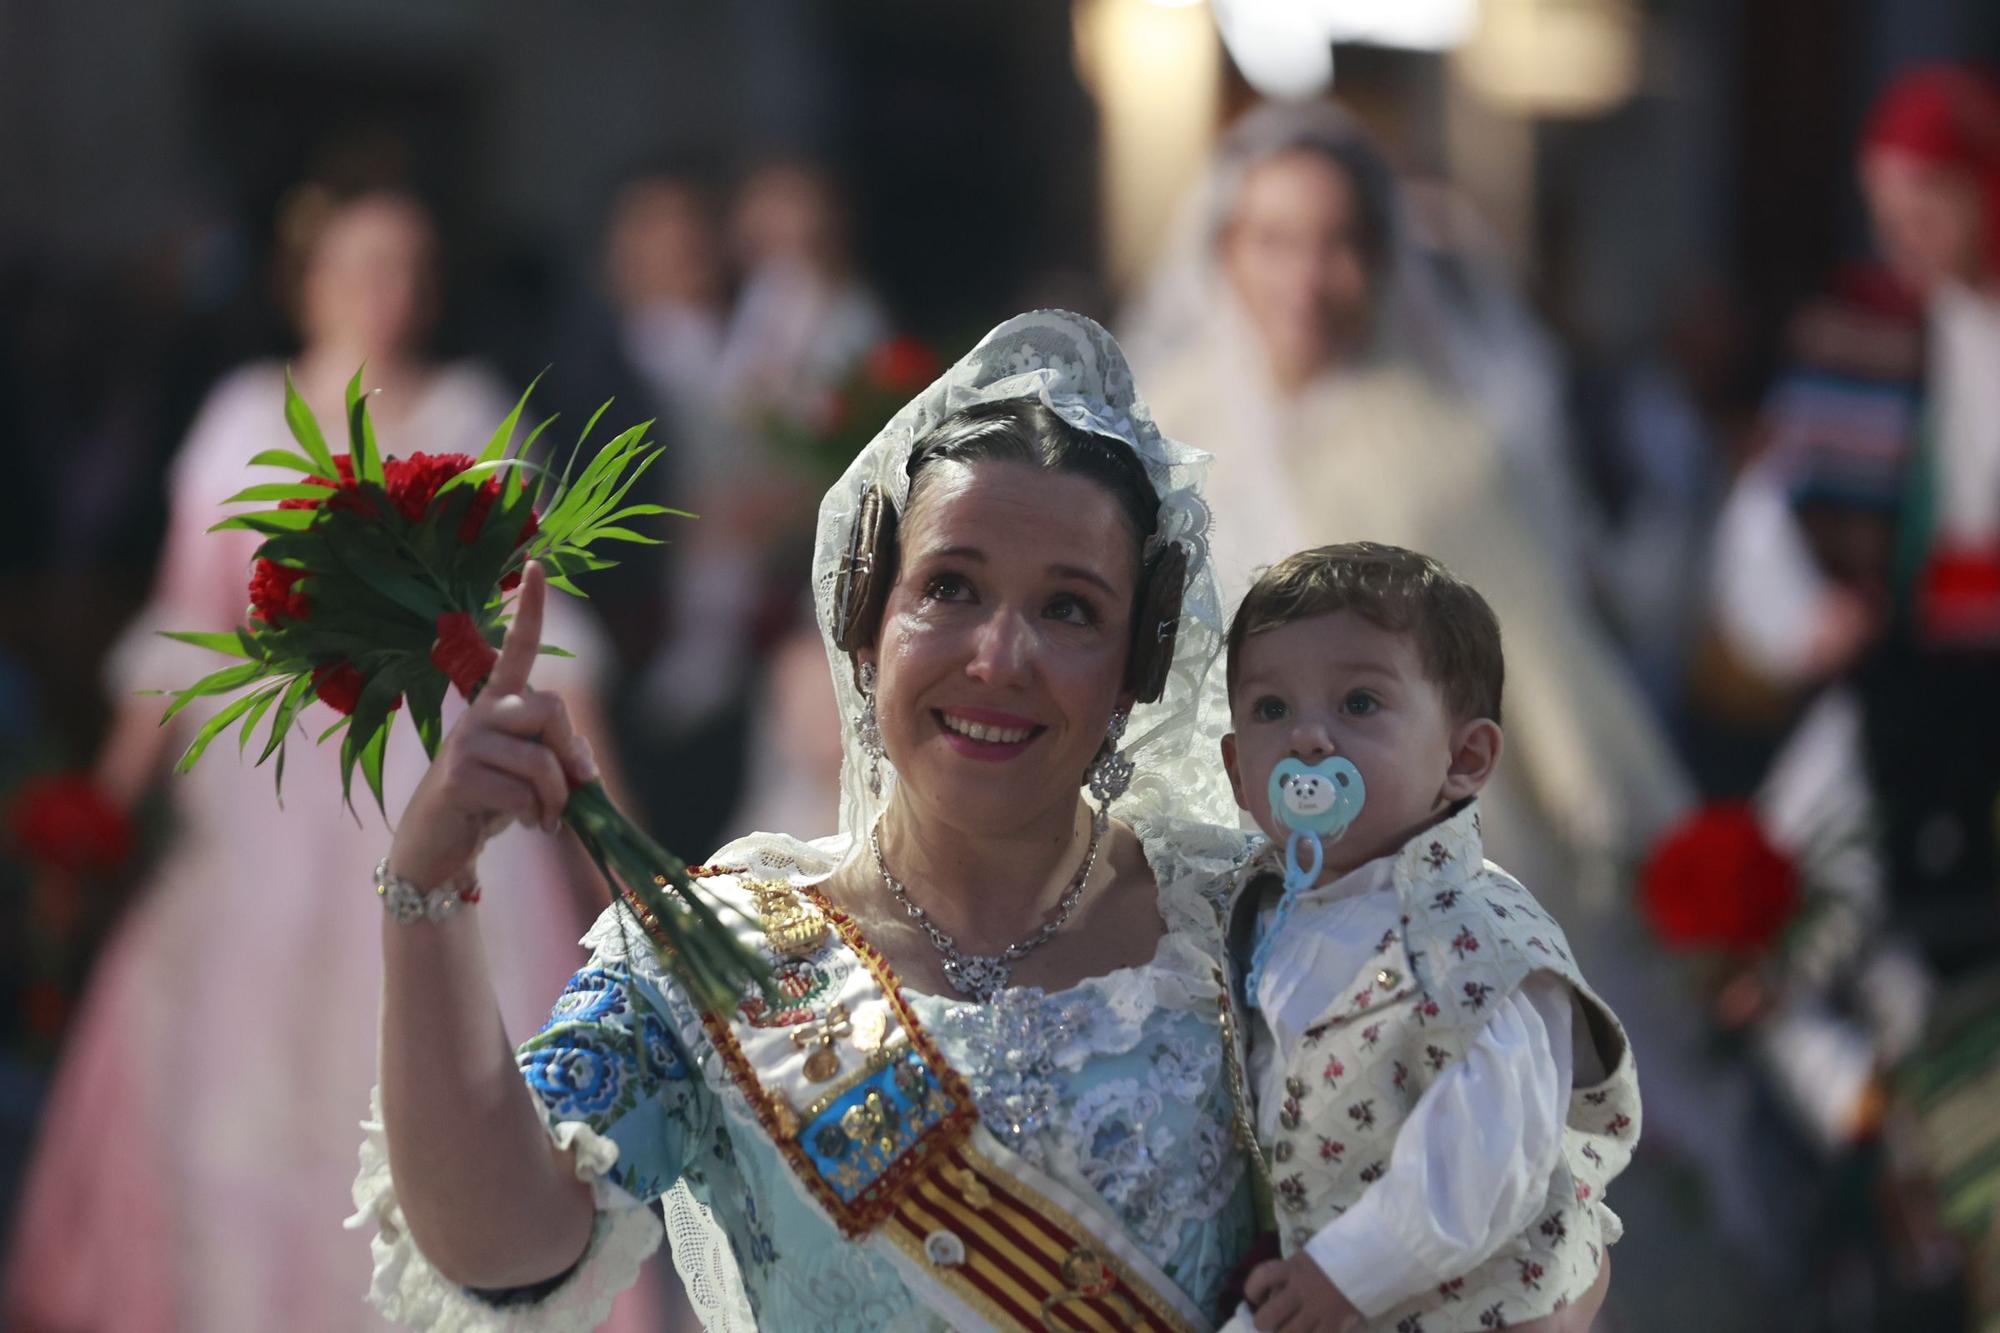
<point>1470,934</point>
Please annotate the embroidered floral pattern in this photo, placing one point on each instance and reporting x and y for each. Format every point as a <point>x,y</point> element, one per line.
<point>578,1081</point>
<point>591,996</point>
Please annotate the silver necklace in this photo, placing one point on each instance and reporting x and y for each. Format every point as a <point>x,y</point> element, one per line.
<point>982,976</point>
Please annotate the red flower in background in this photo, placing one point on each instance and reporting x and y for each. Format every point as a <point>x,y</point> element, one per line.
<point>1716,882</point>
<point>901,366</point>
<point>1958,596</point>
<point>274,594</point>
<point>64,823</point>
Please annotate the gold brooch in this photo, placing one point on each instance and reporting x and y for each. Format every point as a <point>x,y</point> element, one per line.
<point>824,1062</point>
<point>794,928</point>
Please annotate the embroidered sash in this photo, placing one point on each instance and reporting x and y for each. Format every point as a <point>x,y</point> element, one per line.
<point>882,1134</point>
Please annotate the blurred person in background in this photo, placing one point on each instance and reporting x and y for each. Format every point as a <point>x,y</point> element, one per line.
<point>194,1161</point>
<point>1878,1019</point>
<point>802,323</point>
<point>804,317</point>
<point>647,330</point>
<point>1800,569</point>
<point>1295,333</point>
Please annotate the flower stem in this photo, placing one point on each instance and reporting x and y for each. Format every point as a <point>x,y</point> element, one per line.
<point>651,883</point>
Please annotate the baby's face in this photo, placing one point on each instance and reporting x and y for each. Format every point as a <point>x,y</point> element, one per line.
<point>1337,684</point>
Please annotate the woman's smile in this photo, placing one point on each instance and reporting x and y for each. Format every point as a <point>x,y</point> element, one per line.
<point>985,733</point>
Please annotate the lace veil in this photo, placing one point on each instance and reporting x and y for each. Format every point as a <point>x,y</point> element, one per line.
<point>1072,365</point>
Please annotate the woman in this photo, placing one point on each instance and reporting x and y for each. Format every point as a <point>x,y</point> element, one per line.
<point>1296,333</point>
<point>1025,987</point>
<point>198,1144</point>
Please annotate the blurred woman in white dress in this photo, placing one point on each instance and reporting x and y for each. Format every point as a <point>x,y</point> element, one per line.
<point>1293,332</point>
<point>194,1163</point>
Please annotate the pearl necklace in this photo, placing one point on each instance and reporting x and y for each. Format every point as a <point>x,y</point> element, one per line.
<point>982,976</point>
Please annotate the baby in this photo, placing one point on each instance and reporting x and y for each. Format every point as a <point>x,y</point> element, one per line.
<point>1440,1097</point>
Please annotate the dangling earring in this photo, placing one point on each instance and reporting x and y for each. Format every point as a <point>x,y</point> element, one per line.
<point>1111,772</point>
<point>868,729</point>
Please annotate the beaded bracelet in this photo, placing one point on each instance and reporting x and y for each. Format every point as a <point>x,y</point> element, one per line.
<point>407,904</point>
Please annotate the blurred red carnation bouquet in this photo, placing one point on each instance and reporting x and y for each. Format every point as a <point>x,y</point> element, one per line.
<point>380,584</point>
<point>1715,882</point>
<point>844,419</point>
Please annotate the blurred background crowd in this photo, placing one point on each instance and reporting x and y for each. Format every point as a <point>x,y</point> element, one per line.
<point>1672,324</point>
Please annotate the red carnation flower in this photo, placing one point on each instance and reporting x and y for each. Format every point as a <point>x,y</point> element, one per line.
<point>1716,882</point>
<point>63,822</point>
<point>413,482</point>
<point>1958,596</point>
<point>339,687</point>
<point>461,651</point>
<point>274,593</point>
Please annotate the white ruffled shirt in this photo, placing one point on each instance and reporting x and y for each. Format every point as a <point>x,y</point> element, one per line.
<point>1472,1161</point>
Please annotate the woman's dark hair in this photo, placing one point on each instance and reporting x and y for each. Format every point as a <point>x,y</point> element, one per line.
<point>1026,431</point>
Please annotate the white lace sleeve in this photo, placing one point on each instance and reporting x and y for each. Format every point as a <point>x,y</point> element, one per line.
<point>408,1291</point>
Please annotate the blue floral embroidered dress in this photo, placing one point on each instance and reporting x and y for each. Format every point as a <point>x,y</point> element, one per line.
<point>1115,1087</point>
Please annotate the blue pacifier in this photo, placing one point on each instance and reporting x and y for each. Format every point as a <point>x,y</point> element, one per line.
<point>1317,802</point>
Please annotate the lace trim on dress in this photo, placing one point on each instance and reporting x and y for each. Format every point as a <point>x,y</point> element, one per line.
<point>706,1264</point>
<point>409,1291</point>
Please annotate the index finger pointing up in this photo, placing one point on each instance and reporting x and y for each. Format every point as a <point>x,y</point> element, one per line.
<point>524,636</point>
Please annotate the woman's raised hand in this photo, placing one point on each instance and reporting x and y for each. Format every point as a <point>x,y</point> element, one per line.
<point>511,757</point>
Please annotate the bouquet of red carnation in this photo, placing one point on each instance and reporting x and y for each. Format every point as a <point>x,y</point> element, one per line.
<point>1716,882</point>
<point>381,583</point>
<point>845,419</point>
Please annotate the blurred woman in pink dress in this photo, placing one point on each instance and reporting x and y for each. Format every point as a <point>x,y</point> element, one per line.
<point>197,1148</point>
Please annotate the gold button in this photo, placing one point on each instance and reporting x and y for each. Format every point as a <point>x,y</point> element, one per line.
<point>1295,1087</point>
<point>1289,1119</point>
<point>1283,1152</point>
<point>1387,979</point>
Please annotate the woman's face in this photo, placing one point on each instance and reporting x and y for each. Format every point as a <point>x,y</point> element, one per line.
<point>1930,220</point>
<point>1003,643</point>
<point>662,246</point>
<point>368,286</point>
<point>1295,253</point>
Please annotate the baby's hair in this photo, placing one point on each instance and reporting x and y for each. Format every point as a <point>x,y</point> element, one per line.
<point>1405,592</point>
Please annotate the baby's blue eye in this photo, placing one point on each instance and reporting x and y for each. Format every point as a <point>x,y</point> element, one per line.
<point>1268,709</point>
<point>1361,703</point>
